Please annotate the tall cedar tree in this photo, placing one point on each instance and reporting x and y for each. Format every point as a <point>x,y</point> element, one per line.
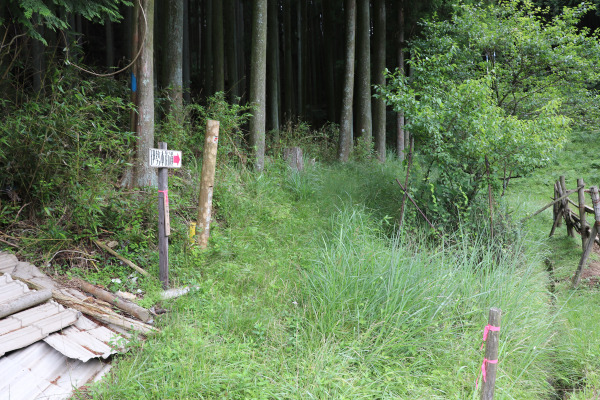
<point>219,66</point>
<point>364,122</point>
<point>379,120</point>
<point>144,175</point>
<point>346,134</point>
<point>273,64</point>
<point>258,80</point>
<point>173,55</point>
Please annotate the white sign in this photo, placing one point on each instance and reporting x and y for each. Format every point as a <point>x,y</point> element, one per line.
<point>165,158</point>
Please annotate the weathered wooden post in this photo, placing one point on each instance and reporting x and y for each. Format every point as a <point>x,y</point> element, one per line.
<point>566,211</point>
<point>491,336</point>
<point>559,211</point>
<point>592,238</point>
<point>293,156</point>
<point>164,159</point>
<point>581,198</point>
<point>209,163</point>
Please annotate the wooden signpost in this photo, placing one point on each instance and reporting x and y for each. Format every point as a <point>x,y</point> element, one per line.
<point>164,159</point>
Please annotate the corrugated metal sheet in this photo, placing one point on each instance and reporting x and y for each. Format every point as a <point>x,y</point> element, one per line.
<point>7,262</point>
<point>26,327</point>
<point>11,289</point>
<point>86,340</point>
<point>40,372</point>
<point>73,345</point>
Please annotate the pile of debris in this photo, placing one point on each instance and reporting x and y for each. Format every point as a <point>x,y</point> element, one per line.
<point>54,339</point>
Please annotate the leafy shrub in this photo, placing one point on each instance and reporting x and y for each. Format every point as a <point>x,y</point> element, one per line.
<point>189,135</point>
<point>485,102</point>
<point>72,138</point>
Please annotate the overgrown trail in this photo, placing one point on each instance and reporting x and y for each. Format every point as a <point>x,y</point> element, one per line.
<point>306,293</point>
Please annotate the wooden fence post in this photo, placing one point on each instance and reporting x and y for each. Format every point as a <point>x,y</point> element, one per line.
<point>490,362</point>
<point>209,163</point>
<point>566,211</point>
<point>592,239</point>
<point>558,210</point>
<point>581,198</point>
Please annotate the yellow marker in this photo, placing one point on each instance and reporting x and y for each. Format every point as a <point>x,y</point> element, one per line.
<point>192,231</point>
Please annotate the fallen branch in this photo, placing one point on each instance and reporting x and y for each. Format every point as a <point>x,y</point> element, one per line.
<point>119,302</point>
<point>9,243</point>
<point>120,257</point>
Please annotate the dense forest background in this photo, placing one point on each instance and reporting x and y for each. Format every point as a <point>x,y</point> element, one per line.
<point>199,48</point>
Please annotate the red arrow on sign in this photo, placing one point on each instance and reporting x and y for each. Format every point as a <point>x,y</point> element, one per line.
<point>176,159</point>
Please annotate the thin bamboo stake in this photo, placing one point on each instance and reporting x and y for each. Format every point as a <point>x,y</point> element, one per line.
<point>409,164</point>
<point>415,204</point>
<point>490,203</point>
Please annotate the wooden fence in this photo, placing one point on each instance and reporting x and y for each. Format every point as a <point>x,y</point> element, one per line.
<point>575,219</point>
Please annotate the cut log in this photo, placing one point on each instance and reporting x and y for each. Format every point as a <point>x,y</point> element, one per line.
<point>293,156</point>
<point>119,302</point>
<point>25,301</point>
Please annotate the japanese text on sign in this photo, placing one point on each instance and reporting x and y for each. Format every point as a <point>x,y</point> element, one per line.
<point>165,158</point>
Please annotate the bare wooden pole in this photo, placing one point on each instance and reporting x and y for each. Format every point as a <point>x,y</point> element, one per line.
<point>490,202</point>
<point>209,163</point>
<point>581,198</point>
<point>163,239</point>
<point>490,362</point>
<point>590,243</point>
<point>559,207</point>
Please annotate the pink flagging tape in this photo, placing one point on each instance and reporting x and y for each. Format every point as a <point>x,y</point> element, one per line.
<point>484,371</point>
<point>166,192</point>
<point>486,330</point>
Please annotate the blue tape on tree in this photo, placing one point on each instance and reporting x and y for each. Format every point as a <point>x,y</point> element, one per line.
<point>133,83</point>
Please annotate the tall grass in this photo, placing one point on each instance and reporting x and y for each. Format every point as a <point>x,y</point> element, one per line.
<point>415,313</point>
<point>306,294</point>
